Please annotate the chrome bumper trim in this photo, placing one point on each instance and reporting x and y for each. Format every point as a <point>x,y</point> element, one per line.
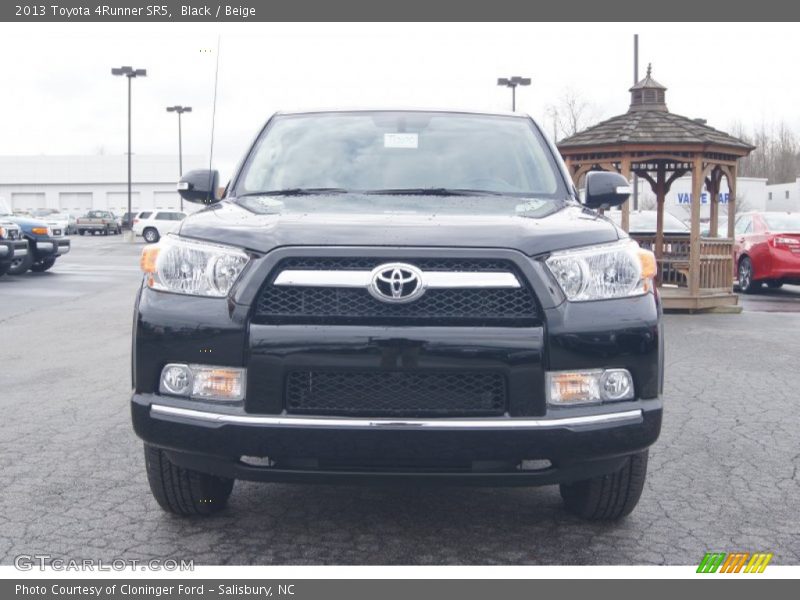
<point>362,279</point>
<point>478,423</point>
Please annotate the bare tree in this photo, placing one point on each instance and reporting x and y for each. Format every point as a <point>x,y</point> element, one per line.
<point>571,114</point>
<point>777,153</point>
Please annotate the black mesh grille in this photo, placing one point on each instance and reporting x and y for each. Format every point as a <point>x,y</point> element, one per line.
<point>477,307</point>
<point>395,393</point>
<point>426,264</point>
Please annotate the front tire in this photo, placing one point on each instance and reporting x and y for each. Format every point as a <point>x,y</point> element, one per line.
<point>183,491</point>
<point>608,497</point>
<point>746,283</point>
<point>19,266</point>
<point>150,235</point>
<point>43,265</point>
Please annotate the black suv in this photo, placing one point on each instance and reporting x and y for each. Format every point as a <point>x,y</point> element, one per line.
<point>394,296</point>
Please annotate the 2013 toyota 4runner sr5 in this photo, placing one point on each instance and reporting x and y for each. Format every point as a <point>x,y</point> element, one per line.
<point>399,296</point>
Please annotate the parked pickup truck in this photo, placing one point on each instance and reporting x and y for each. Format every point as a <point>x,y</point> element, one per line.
<point>98,221</point>
<point>12,245</point>
<point>399,296</point>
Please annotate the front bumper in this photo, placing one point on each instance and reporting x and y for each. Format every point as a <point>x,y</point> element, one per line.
<point>50,247</point>
<point>578,442</point>
<point>10,249</point>
<point>577,445</point>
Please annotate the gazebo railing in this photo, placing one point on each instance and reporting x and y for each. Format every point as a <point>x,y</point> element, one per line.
<point>716,261</point>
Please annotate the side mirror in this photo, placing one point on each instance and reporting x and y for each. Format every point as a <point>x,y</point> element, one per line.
<point>200,186</point>
<point>605,189</point>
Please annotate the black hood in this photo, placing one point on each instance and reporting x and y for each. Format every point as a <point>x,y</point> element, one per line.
<point>564,225</point>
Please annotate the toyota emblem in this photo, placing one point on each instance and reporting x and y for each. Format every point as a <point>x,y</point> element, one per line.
<point>396,282</point>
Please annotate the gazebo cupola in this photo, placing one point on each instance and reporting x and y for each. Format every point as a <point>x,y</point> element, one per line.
<point>648,94</point>
<point>659,147</point>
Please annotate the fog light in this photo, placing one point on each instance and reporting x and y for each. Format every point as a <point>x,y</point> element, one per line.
<point>616,384</point>
<point>176,380</point>
<point>203,382</point>
<point>566,388</point>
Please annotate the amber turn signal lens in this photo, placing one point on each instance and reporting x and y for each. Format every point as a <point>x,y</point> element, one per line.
<point>147,262</point>
<point>39,230</point>
<point>648,262</point>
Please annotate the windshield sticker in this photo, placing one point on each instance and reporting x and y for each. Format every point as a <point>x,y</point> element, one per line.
<point>400,140</point>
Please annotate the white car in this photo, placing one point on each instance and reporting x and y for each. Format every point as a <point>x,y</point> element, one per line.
<point>152,224</point>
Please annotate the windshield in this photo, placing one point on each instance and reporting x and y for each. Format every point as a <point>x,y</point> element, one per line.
<point>418,153</point>
<point>782,221</point>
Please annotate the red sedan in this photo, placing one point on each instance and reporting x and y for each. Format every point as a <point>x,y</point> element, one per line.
<point>767,249</point>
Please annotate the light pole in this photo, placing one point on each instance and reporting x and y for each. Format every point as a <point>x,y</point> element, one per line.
<point>130,73</point>
<point>180,110</point>
<point>513,82</point>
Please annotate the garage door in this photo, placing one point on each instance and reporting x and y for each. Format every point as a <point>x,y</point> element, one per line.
<point>117,202</point>
<point>167,200</point>
<point>27,201</point>
<point>75,203</point>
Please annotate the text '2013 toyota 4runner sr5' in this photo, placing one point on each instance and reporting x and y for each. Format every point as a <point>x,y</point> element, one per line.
<point>399,296</point>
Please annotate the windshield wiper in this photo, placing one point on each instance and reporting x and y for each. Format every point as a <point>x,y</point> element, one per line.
<point>297,192</point>
<point>433,191</point>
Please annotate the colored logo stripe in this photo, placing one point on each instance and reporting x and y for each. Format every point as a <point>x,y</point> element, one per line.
<point>711,562</point>
<point>734,562</point>
<point>758,563</point>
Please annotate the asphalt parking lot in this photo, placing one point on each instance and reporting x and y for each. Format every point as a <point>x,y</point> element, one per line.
<point>723,476</point>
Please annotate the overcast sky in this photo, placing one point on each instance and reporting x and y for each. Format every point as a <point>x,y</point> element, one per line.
<point>59,97</point>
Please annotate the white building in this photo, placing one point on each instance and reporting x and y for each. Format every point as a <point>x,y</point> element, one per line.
<point>76,184</point>
<point>784,196</point>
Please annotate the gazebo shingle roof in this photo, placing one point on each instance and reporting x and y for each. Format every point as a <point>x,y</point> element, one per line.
<point>648,121</point>
<point>651,127</point>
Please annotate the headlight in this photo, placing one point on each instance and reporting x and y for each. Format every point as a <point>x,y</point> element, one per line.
<point>605,271</point>
<point>193,268</point>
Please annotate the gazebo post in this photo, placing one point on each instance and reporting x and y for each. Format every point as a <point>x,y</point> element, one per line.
<point>713,191</point>
<point>731,201</point>
<point>660,190</point>
<point>694,238</point>
<point>625,169</point>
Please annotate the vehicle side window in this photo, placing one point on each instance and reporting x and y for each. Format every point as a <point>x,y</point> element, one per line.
<point>145,215</point>
<point>162,216</point>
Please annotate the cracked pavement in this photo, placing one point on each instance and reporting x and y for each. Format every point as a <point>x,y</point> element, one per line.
<point>723,476</point>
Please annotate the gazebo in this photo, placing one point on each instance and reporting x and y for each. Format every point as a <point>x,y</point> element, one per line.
<point>695,272</point>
